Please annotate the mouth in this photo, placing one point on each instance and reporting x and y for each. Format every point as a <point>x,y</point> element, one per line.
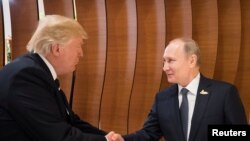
<point>169,75</point>
<point>77,62</point>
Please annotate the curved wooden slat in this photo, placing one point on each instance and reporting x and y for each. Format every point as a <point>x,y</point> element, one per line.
<point>228,51</point>
<point>62,7</point>
<point>22,13</point>
<point>243,73</point>
<point>178,24</point>
<point>121,55</point>
<point>91,70</point>
<point>65,8</point>
<point>178,18</point>
<point>205,32</point>
<point>151,44</point>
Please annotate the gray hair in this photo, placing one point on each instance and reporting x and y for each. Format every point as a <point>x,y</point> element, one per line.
<point>54,29</point>
<point>190,47</point>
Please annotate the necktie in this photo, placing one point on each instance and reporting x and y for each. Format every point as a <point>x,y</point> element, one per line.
<point>62,95</point>
<point>57,84</point>
<point>184,111</point>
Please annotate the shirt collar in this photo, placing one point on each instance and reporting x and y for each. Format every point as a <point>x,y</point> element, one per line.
<point>51,68</point>
<point>193,85</point>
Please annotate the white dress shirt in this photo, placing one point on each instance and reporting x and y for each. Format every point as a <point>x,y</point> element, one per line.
<point>52,70</point>
<point>191,95</point>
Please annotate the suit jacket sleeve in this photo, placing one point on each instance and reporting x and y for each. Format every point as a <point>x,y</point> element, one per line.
<point>151,129</point>
<point>34,106</point>
<point>86,127</point>
<point>234,109</point>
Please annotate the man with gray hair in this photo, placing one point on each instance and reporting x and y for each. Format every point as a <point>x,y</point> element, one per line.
<point>183,111</point>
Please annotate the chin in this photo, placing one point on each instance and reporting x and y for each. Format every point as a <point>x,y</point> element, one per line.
<point>74,68</point>
<point>171,80</point>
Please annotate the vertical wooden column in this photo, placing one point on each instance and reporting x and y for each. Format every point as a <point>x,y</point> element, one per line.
<point>120,65</point>
<point>243,72</point>
<point>178,19</point>
<point>150,48</point>
<point>205,32</point>
<point>61,7</point>
<point>91,70</point>
<point>229,40</point>
<point>24,19</point>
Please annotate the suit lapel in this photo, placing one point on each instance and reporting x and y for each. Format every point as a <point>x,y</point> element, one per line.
<point>41,63</point>
<point>173,101</point>
<point>203,95</point>
<point>61,99</point>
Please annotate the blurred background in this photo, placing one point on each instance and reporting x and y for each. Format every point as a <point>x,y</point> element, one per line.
<point>116,81</point>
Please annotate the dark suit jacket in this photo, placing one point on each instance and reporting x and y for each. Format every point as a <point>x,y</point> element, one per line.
<point>222,105</point>
<point>31,108</point>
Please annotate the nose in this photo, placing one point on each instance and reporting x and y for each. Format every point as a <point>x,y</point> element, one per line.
<point>81,53</point>
<point>165,66</point>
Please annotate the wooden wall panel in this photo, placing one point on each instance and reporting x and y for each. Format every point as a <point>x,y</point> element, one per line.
<point>121,56</point>
<point>151,45</point>
<point>1,37</point>
<point>178,24</point>
<point>61,7</point>
<point>178,19</point>
<point>205,32</point>
<point>228,51</point>
<point>65,8</point>
<point>243,73</point>
<point>22,13</point>
<point>91,70</point>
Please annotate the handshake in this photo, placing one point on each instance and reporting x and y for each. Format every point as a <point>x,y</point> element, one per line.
<point>112,136</point>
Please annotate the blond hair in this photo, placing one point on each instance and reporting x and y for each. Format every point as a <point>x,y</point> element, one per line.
<point>54,29</point>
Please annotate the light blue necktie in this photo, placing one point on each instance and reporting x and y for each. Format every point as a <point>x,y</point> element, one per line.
<point>184,111</point>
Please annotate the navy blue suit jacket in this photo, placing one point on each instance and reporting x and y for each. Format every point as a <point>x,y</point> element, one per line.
<point>31,108</point>
<point>222,105</point>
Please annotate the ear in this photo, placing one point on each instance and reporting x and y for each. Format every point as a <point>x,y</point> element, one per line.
<point>55,49</point>
<point>193,60</point>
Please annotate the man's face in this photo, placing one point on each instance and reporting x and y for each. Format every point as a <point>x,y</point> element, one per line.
<point>70,55</point>
<point>176,63</point>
